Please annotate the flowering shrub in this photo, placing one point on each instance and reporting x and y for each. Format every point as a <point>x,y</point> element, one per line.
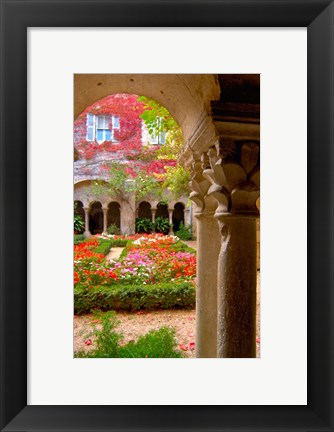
<point>89,264</point>
<point>147,263</point>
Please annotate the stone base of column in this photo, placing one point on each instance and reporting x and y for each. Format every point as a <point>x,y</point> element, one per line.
<point>87,234</point>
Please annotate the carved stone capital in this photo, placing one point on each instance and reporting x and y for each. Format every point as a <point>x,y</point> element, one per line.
<point>232,169</point>
<point>198,184</point>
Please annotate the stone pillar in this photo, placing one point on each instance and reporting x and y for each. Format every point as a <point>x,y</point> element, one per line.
<point>208,245</point>
<point>237,287</point>
<point>234,177</point>
<point>153,211</point>
<point>170,213</point>
<point>105,219</point>
<point>186,216</point>
<point>87,233</point>
<point>128,214</point>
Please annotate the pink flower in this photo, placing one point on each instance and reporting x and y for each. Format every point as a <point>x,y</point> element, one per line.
<point>88,342</point>
<point>257,340</point>
<point>184,347</point>
<point>192,346</point>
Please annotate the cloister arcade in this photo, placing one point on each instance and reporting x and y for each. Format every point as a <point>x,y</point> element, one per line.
<point>98,216</point>
<point>220,120</point>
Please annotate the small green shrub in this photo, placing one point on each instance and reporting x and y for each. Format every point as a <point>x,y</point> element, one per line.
<point>78,238</point>
<point>113,229</point>
<point>103,247</point>
<point>79,224</point>
<point>134,297</point>
<point>155,344</point>
<point>120,242</point>
<point>162,225</point>
<point>144,225</point>
<point>184,232</point>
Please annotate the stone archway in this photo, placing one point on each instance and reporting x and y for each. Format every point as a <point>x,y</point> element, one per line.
<point>79,210</point>
<point>96,218</point>
<point>220,120</point>
<point>114,214</point>
<point>178,216</point>
<point>187,97</point>
<point>162,211</point>
<point>144,210</point>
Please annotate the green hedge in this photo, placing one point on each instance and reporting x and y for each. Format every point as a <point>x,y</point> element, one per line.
<point>134,297</point>
<point>103,247</point>
<point>78,238</point>
<point>120,242</point>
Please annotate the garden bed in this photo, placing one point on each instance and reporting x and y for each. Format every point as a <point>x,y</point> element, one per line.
<point>153,272</point>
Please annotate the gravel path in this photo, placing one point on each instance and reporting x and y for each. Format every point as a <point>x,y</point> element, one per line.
<point>114,253</point>
<point>135,324</point>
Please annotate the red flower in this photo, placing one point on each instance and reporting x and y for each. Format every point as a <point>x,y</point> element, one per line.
<point>88,342</point>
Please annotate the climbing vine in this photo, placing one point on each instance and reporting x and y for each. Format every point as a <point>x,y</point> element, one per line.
<point>125,156</point>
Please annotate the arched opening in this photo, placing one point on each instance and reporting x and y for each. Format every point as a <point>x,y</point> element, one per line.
<point>196,103</point>
<point>79,211</point>
<point>162,211</point>
<point>144,210</point>
<point>178,216</point>
<point>114,214</point>
<point>96,218</point>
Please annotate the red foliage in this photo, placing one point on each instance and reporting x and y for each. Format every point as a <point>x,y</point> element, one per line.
<point>127,143</point>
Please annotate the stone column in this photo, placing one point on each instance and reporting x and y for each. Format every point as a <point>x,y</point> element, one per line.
<point>186,216</point>
<point>87,233</point>
<point>170,213</point>
<point>208,245</point>
<point>153,211</point>
<point>234,178</point>
<point>105,219</point>
<point>237,287</point>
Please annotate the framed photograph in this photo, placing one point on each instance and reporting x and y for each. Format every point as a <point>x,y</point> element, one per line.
<point>58,56</point>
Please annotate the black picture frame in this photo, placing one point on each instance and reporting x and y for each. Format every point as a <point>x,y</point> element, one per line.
<point>16,17</point>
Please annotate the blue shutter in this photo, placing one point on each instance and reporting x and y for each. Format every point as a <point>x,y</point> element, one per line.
<point>162,138</point>
<point>115,122</point>
<point>90,136</point>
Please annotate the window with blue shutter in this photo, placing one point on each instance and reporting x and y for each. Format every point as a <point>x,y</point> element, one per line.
<point>155,137</point>
<point>101,128</point>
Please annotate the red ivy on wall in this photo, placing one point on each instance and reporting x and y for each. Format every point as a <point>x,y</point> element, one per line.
<point>128,148</point>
